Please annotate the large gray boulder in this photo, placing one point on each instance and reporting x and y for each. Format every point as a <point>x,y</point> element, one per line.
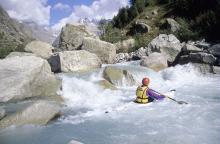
<point>188,48</point>
<point>2,113</point>
<point>215,50</point>
<point>78,61</point>
<point>199,57</point>
<point>104,50</point>
<point>122,57</point>
<point>155,61</point>
<point>203,68</point>
<point>38,113</point>
<point>19,54</point>
<point>172,25</point>
<point>139,54</point>
<point>71,37</point>
<point>24,77</point>
<point>54,62</point>
<point>118,77</point>
<point>39,48</point>
<point>125,46</point>
<point>168,45</point>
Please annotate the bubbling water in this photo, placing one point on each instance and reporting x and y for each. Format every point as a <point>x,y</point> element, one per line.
<point>96,115</point>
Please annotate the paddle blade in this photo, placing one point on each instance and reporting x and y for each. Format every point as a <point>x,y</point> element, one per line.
<point>182,102</point>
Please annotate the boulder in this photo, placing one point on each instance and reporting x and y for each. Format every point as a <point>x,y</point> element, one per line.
<point>215,50</point>
<point>139,54</point>
<point>19,54</point>
<point>168,45</point>
<point>78,61</point>
<point>104,50</point>
<point>41,49</point>
<point>155,61</point>
<point>188,48</point>
<point>39,113</point>
<point>199,57</point>
<point>202,44</point>
<point>54,62</point>
<point>125,46</point>
<point>24,77</point>
<point>122,57</point>
<point>172,25</point>
<point>216,69</point>
<point>2,113</point>
<point>71,37</point>
<point>118,77</point>
<point>106,85</point>
<point>203,68</point>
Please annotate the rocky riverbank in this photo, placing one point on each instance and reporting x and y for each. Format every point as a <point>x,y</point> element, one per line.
<point>30,75</point>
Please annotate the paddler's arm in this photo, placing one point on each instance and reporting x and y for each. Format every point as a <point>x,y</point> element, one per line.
<point>154,95</point>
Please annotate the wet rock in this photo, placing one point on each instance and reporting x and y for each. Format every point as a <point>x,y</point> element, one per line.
<point>168,45</point>
<point>19,54</point>
<point>122,57</point>
<point>39,113</point>
<point>78,61</point>
<point>125,46</point>
<point>203,68</point>
<point>106,85</point>
<point>172,25</point>
<point>54,62</point>
<point>199,57</point>
<point>216,69</point>
<point>104,50</point>
<point>71,37</point>
<point>41,49</point>
<point>2,113</point>
<point>25,77</point>
<point>215,50</point>
<point>188,48</point>
<point>155,61</point>
<point>118,77</point>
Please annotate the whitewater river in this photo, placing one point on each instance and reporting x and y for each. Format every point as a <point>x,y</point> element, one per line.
<point>93,115</point>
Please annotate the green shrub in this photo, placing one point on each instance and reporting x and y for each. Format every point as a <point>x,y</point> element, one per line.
<point>185,33</point>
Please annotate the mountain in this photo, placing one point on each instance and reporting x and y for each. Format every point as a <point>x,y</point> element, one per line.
<point>12,36</point>
<point>41,33</point>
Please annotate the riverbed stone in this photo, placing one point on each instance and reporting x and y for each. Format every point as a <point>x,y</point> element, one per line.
<point>118,77</point>
<point>38,113</point>
<point>106,85</point>
<point>39,48</point>
<point>125,46</point>
<point>104,50</point>
<point>168,45</point>
<point>71,37</point>
<point>78,61</point>
<point>155,61</point>
<point>20,54</point>
<point>25,77</point>
<point>203,68</point>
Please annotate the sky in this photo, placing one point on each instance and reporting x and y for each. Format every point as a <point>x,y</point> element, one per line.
<point>56,13</point>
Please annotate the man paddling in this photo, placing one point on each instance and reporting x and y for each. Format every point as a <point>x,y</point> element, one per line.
<point>145,94</point>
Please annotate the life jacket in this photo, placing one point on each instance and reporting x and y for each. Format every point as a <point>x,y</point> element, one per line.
<point>141,94</point>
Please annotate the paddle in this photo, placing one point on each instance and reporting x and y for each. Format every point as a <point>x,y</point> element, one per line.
<point>179,102</point>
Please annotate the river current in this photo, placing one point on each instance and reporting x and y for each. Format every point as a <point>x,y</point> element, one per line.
<point>93,115</point>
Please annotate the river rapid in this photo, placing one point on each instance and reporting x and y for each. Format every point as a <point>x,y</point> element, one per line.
<point>93,115</point>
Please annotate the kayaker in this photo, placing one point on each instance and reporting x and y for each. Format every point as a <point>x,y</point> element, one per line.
<point>145,94</point>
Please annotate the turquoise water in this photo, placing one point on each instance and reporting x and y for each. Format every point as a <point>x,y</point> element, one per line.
<point>85,118</point>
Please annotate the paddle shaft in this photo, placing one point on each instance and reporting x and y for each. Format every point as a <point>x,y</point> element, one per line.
<point>179,102</point>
